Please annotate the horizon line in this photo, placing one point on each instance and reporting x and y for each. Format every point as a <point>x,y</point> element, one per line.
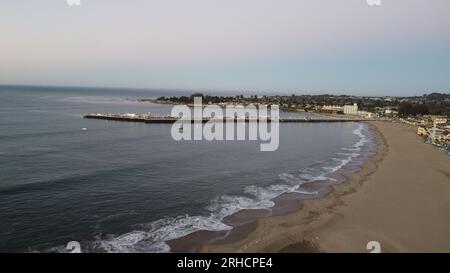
<point>211,91</point>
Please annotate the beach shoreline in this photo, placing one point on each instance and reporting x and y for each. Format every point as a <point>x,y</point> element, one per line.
<point>246,221</point>
<point>398,198</point>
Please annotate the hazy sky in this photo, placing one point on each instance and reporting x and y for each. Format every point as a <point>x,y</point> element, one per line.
<point>302,46</point>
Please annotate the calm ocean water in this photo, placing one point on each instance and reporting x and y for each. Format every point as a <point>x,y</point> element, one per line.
<point>123,187</point>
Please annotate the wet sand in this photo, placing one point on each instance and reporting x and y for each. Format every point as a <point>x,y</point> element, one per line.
<point>400,198</point>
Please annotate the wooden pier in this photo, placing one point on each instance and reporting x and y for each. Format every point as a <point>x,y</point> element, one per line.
<point>168,119</point>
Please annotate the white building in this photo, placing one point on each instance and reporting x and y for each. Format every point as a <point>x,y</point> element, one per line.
<point>390,112</point>
<point>351,109</point>
<point>366,114</point>
<point>333,108</point>
<point>440,120</point>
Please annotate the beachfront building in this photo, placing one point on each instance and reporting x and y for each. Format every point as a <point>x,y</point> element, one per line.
<point>434,120</point>
<point>351,109</point>
<point>333,108</point>
<point>422,131</point>
<point>440,120</point>
<point>365,114</point>
<point>390,112</point>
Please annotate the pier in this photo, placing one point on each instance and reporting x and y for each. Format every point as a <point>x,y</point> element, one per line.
<point>169,119</point>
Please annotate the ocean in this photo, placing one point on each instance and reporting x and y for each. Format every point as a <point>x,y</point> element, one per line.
<point>129,187</point>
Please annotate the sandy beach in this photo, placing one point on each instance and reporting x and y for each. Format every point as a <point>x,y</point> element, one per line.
<point>400,198</point>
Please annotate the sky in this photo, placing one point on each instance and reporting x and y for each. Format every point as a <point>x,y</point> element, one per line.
<point>283,46</point>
